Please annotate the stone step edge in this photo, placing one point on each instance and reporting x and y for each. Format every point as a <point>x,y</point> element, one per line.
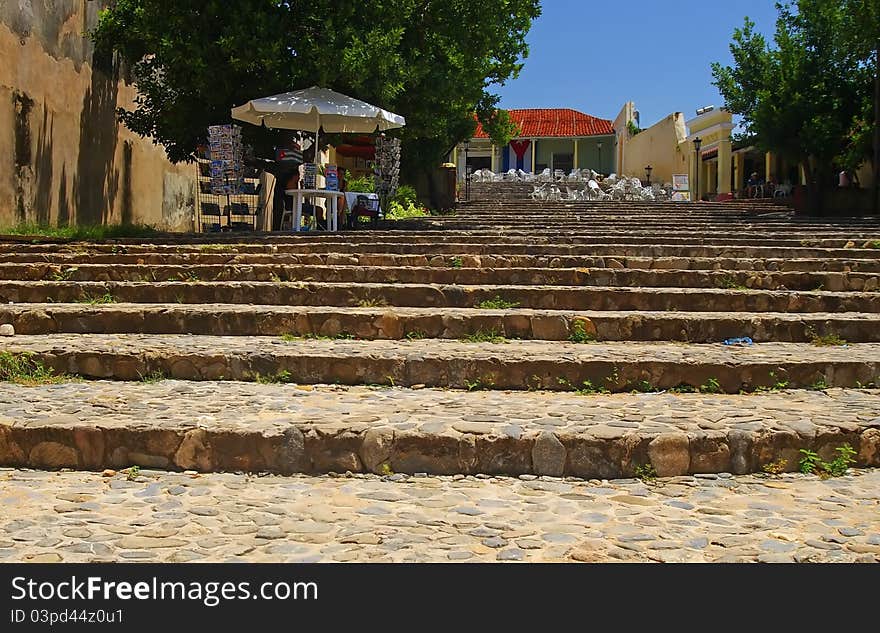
<point>432,323</point>
<point>487,373</point>
<point>304,449</point>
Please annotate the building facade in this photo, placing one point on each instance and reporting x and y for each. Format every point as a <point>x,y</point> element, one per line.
<point>549,138</point>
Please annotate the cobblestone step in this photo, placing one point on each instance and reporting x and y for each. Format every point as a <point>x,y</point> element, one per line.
<point>174,517</point>
<point>535,249</point>
<point>521,365</point>
<point>458,274</point>
<point>439,296</point>
<point>289,429</point>
<point>206,266</point>
<point>445,323</point>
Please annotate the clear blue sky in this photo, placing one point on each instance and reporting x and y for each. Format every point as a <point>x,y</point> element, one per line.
<point>595,56</point>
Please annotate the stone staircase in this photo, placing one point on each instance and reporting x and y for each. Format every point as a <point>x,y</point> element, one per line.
<point>515,337</point>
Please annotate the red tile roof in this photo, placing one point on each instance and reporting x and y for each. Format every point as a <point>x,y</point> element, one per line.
<point>554,122</point>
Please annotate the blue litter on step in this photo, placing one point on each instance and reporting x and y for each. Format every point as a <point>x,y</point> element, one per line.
<point>745,340</point>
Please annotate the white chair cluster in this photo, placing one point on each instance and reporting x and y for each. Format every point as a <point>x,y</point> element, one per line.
<point>578,185</point>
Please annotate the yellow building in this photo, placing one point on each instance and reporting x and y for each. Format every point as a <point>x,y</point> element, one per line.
<point>660,147</point>
<point>712,171</point>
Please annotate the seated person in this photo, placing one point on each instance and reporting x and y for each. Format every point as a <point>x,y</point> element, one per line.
<point>752,185</point>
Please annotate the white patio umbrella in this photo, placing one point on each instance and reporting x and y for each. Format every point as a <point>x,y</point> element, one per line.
<point>314,108</point>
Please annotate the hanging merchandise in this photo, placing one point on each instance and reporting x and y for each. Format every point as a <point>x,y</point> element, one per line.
<point>227,164</point>
<point>387,166</point>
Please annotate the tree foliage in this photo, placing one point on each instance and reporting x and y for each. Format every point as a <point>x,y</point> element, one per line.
<point>433,61</point>
<point>808,96</point>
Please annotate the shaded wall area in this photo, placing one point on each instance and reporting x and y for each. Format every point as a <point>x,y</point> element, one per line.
<point>64,157</point>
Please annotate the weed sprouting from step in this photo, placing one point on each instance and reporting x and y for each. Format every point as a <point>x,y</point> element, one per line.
<point>372,302</point>
<point>23,369</point>
<point>497,303</point>
<point>492,336</point>
<point>65,274</point>
<point>133,473</point>
<point>812,464</point>
<point>682,388</point>
<point>311,336</point>
<point>710,386</point>
<point>730,283</point>
<point>647,473</point>
<point>385,469</point>
<point>779,384</point>
<point>872,244</point>
<point>820,385</point>
<point>103,299</point>
<point>456,262</point>
<point>187,276</point>
<point>153,377</point>
<point>415,336</point>
<point>643,386</point>
<point>775,467</point>
<point>480,384</point>
<point>577,333</point>
<point>589,389</point>
<point>279,377</point>
<point>274,278</point>
<point>218,247</point>
<point>826,340</point>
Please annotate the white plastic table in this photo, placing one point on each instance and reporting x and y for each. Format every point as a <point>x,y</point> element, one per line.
<point>332,198</point>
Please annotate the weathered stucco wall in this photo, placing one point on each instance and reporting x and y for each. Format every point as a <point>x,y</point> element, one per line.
<point>64,158</point>
<point>657,146</point>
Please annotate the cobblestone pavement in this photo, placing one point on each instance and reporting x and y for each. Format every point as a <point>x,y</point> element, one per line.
<point>160,516</point>
<point>169,345</point>
<point>236,406</point>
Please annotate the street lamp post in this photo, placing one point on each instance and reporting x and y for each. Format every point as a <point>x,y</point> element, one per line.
<point>648,171</point>
<point>697,143</point>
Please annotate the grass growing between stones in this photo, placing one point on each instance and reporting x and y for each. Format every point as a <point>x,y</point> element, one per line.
<point>578,333</point>
<point>730,283</point>
<point>92,233</point>
<point>827,340</point>
<point>776,467</point>
<point>497,303</point>
<point>23,369</point>
<point>587,388</point>
<point>456,262</point>
<point>480,384</point>
<point>372,302</point>
<point>186,276</point>
<point>105,298</point>
<point>280,377</point>
<point>65,274</point>
<point>812,464</point>
<point>153,377</point>
<point>342,336</point>
<point>492,336</point>
<point>647,473</point>
<point>218,247</point>
<point>779,384</point>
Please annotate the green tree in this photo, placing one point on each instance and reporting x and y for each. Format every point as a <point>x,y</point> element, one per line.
<point>433,61</point>
<point>808,96</point>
